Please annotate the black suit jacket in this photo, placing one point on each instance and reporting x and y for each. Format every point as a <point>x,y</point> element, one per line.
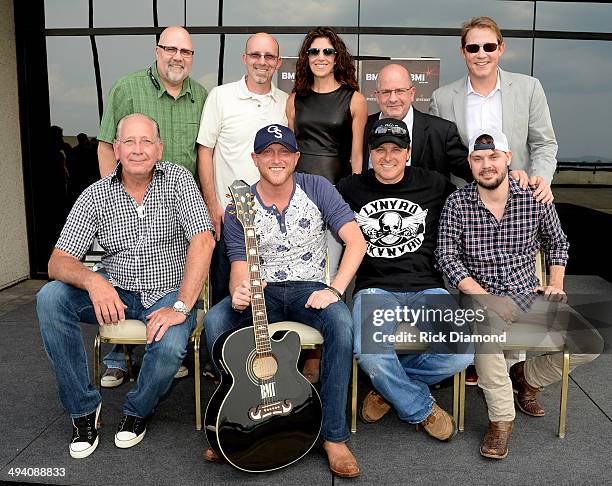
<point>436,145</point>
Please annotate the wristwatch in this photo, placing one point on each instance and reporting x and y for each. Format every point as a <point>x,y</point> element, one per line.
<point>179,306</point>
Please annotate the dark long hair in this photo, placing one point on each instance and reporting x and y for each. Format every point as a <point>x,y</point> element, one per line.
<point>344,70</point>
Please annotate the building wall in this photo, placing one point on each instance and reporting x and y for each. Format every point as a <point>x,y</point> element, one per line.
<point>14,264</point>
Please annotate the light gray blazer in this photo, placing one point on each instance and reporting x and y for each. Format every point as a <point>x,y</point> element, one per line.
<point>525,120</point>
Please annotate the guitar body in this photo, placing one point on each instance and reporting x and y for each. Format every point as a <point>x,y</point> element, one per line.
<point>260,424</point>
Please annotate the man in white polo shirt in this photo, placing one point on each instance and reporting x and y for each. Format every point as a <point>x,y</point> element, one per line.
<point>232,115</point>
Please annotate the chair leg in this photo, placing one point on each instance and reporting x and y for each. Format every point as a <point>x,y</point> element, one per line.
<point>564,389</point>
<point>97,376</point>
<point>354,398</point>
<point>456,398</point>
<point>461,400</point>
<point>198,374</point>
<point>128,360</point>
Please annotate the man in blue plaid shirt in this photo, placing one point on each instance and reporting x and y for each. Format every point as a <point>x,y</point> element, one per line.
<point>490,232</point>
<point>151,221</point>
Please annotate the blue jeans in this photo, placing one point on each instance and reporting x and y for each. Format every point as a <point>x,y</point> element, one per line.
<point>61,307</point>
<point>403,380</point>
<point>285,301</point>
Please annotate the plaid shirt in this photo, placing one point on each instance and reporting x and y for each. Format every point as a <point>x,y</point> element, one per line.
<point>144,249</point>
<point>178,119</point>
<point>500,256</point>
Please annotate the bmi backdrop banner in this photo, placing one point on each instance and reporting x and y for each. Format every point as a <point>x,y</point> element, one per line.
<point>425,75</point>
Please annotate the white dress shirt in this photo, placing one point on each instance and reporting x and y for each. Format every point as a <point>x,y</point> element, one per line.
<point>483,111</point>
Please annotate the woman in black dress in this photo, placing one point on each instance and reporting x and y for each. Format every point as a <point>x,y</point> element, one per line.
<point>326,110</point>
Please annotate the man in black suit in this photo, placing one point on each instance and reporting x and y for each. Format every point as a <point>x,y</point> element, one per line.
<point>436,144</point>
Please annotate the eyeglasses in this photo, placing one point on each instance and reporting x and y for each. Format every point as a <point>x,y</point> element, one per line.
<point>131,142</point>
<point>392,129</point>
<point>327,51</point>
<point>186,53</point>
<point>487,47</point>
<point>385,93</point>
<point>256,56</point>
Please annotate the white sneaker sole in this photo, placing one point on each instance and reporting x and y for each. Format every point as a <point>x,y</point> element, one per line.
<point>110,382</point>
<point>126,444</point>
<point>86,452</point>
<point>182,372</point>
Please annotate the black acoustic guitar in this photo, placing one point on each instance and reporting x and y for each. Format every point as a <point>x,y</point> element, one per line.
<point>264,415</point>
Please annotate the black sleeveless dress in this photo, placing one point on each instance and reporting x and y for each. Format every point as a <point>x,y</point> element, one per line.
<point>323,129</point>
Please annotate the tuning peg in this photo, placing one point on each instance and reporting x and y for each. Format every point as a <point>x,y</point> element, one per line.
<point>232,212</point>
<point>228,196</point>
<point>248,194</point>
<point>231,203</point>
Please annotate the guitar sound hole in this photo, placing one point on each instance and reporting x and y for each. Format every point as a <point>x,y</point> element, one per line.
<point>265,367</point>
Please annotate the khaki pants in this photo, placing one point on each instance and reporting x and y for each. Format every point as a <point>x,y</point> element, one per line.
<point>543,318</point>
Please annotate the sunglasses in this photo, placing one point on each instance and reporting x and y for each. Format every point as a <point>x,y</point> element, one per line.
<point>327,51</point>
<point>474,48</point>
<point>392,129</point>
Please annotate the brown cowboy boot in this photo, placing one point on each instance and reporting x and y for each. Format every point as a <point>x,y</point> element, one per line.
<point>439,424</point>
<point>495,442</point>
<point>525,398</point>
<point>373,408</point>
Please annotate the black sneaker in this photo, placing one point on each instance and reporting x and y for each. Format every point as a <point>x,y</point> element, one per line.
<point>131,431</point>
<point>84,434</point>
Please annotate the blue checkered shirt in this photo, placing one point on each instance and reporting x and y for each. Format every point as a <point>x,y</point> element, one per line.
<point>145,247</point>
<point>500,256</point>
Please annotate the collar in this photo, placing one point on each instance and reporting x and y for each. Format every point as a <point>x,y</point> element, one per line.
<point>115,176</point>
<point>470,89</point>
<point>245,94</point>
<point>408,119</point>
<point>185,89</point>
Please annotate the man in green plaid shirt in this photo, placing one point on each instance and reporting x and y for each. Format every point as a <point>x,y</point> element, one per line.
<point>166,93</point>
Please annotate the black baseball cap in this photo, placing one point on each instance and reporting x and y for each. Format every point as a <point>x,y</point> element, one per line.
<point>389,130</point>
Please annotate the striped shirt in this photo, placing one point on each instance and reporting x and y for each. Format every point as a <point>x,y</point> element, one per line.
<point>145,247</point>
<point>499,255</point>
<point>178,119</point>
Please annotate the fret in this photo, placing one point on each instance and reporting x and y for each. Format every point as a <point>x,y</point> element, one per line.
<point>258,307</point>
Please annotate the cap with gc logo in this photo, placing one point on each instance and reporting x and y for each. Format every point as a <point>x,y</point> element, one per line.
<point>274,134</point>
<point>389,130</point>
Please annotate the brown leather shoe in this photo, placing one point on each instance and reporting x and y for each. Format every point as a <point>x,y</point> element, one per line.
<point>342,462</point>
<point>495,442</point>
<point>212,455</point>
<point>439,424</point>
<point>373,408</point>
<point>525,397</point>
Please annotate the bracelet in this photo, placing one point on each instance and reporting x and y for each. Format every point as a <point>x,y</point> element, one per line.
<point>236,309</point>
<point>335,291</point>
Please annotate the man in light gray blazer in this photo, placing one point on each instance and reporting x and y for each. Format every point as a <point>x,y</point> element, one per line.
<point>514,104</point>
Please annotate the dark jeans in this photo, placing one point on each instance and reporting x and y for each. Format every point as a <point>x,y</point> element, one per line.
<point>285,301</point>
<point>62,307</point>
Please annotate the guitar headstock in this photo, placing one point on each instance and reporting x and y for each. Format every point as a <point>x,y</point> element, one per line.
<point>242,200</point>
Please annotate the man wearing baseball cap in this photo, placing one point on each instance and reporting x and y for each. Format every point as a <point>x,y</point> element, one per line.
<point>397,208</point>
<point>490,232</point>
<point>292,212</point>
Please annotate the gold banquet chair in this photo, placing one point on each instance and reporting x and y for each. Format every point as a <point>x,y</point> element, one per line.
<point>133,331</point>
<point>310,338</point>
<point>523,338</point>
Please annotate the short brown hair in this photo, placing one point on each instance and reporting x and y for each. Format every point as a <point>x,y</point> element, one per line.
<point>480,23</point>
<point>484,139</point>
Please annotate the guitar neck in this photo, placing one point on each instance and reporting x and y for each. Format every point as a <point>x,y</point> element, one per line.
<point>258,302</point>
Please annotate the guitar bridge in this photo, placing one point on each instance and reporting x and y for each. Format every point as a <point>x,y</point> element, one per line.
<point>261,412</point>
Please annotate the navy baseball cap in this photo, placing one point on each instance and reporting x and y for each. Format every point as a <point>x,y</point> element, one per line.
<point>274,133</point>
<point>389,130</point>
